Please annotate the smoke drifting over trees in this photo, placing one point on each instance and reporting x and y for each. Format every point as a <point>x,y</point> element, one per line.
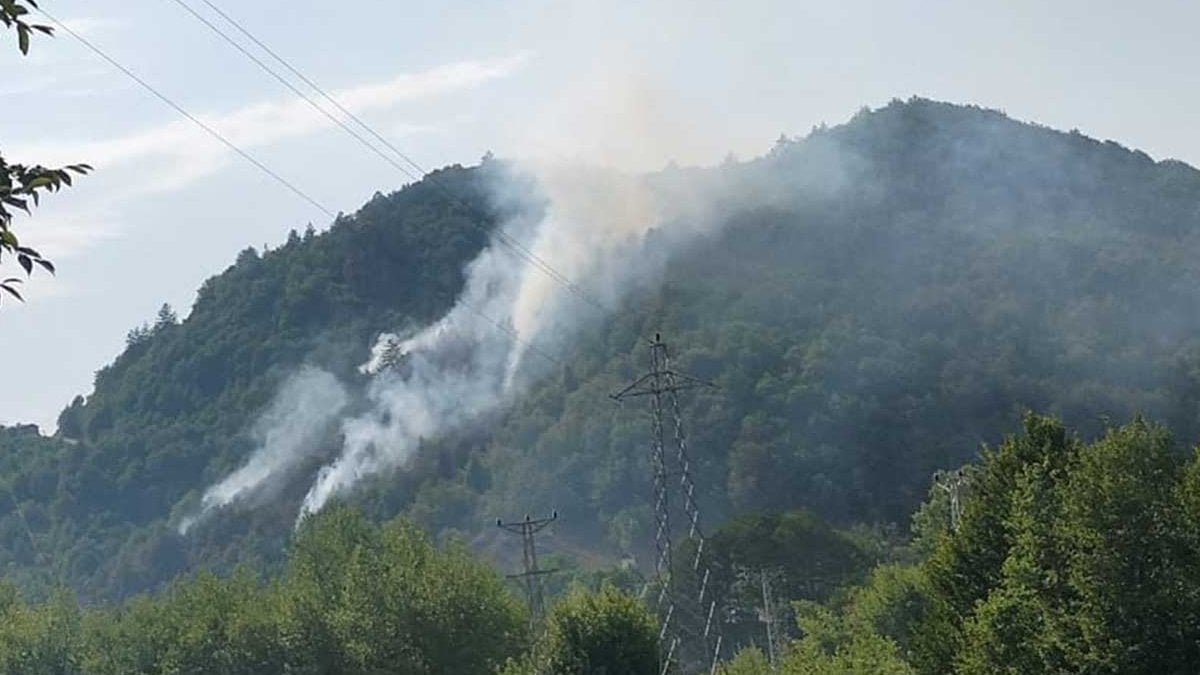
<point>874,301</point>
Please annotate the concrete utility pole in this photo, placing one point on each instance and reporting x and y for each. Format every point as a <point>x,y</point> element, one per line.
<point>531,576</point>
<point>689,630</point>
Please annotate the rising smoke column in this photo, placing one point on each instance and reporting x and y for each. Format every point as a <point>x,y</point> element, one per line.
<point>303,412</point>
<point>470,362</point>
<point>591,228</point>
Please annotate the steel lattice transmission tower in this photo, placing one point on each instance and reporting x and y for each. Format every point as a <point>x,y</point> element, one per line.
<point>689,626</point>
<point>531,576</point>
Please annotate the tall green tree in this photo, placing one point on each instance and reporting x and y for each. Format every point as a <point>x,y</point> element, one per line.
<point>595,633</point>
<point>362,599</point>
<point>1087,563</point>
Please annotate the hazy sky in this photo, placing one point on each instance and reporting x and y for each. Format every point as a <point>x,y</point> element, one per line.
<point>628,83</point>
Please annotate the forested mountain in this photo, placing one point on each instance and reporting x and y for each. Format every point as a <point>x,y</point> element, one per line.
<point>174,410</point>
<point>882,297</point>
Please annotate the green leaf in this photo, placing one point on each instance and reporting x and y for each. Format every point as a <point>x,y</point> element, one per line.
<point>23,38</point>
<point>12,291</point>
<point>17,202</point>
<point>26,263</point>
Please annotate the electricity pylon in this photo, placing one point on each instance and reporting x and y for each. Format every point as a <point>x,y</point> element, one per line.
<point>689,627</point>
<point>531,576</point>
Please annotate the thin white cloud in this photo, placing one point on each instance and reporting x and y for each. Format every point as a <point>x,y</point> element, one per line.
<point>175,155</point>
<point>266,123</point>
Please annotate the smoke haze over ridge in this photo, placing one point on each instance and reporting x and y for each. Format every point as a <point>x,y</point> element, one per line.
<point>510,322</point>
<point>587,222</point>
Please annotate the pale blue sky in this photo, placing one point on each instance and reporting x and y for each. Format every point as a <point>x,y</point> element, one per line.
<point>631,83</point>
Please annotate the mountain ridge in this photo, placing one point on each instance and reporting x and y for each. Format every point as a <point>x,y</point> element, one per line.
<point>891,292</point>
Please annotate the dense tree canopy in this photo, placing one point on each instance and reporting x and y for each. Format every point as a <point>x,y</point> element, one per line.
<point>589,633</point>
<point>881,298</point>
<point>1070,557</point>
<point>355,599</point>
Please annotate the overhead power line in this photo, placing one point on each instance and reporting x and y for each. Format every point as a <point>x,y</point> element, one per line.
<point>504,238</point>
<point>522,251</point>
<point>255,161</point>
<point>195,120</point>
<point>282,80</point>
<point>304,78</point>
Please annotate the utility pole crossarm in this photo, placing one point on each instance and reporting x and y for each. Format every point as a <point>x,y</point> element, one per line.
<point>521,525</point>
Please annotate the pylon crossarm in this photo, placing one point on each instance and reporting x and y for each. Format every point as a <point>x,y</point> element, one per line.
<point>689,382</point>
<point>635,388</point>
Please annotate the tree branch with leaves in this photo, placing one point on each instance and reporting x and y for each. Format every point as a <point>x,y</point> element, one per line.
<point>21,186</point>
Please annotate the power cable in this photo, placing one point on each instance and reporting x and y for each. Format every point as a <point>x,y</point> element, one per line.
<point>303,78</point>
<point>250,158</point>
<point>195,120</point>
<point>504,238</point>
<point>282,80</point>
<point>500,235</point>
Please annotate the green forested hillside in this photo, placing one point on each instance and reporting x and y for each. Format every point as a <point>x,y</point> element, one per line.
<point>965,268</point>
<point>882,297</point>
<point>173,412</point>
<point>1065,556</point>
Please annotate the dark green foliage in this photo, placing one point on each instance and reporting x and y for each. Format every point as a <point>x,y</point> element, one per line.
<point>603,633</point>
<point>15,15</point>
<point>1070,557</point>
<point>802,558</point>
<point>831,645</point>
<point>889,295</point>
<point>173,412</point>
<point>355,600</point>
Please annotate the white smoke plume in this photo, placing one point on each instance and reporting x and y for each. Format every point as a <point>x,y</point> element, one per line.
<point>288,433</point>
<point>511,313</point>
